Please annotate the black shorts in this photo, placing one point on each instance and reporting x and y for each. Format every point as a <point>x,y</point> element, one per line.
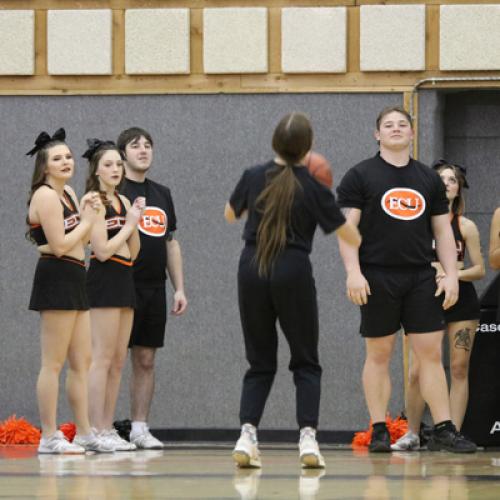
<point>150,317</point>
<point>401,298</point>
<point>111,283</point>
<point>467,306</point>
<point>59,284</point>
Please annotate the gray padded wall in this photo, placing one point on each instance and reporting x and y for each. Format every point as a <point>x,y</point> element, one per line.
<point>202,144</point>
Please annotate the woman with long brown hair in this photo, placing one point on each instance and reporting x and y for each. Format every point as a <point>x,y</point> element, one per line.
<point>284,205</point>
<point>461,319</point>
<point>60,229</point>
<point>110,286</point>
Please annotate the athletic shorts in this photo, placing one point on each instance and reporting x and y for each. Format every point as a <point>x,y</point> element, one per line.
<point>467,306</point>
<point>401,298</point>
<point>111,283</point>
<point>59,284</point>
<point>150,317</point>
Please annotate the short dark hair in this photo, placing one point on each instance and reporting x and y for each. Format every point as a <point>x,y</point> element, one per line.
<point>130,135</point>
<point>391,109</point>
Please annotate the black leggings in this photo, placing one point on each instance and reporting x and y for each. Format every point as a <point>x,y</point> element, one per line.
<point>287,295</point>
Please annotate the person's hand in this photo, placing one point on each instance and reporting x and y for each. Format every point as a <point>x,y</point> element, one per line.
<point>180,303</point>
<point>440,274</point>
<point>448,285</point>
<point>90,207</point>
<point>135,211</point>
<point>358,288</point>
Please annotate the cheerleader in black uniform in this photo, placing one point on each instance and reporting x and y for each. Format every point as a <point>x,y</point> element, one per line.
<point>461,319</point>
<point>110,286</point>
<point>60,229</point>
<point>275,282</point>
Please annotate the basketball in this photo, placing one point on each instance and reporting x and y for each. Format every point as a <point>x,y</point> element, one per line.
<point>319,168</point>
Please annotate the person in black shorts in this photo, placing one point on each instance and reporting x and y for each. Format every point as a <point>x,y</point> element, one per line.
<point>59,226</point>
<point>284,204</point>
<point>115,244</point>
<point>461,319</point>
<point>160,252</point>
<point>400,205</point>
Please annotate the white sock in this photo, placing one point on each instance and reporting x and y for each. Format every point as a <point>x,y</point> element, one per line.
<point>139,427</point>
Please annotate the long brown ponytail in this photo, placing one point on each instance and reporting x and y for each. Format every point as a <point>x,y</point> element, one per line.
<point>292,139</point>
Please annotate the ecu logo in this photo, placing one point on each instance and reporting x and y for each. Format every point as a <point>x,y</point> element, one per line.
<point>153,222</point>
<point>403,203</point>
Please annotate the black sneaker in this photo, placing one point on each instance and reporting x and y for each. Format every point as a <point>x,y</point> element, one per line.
<point>381,442</point>
<point>450,440</point>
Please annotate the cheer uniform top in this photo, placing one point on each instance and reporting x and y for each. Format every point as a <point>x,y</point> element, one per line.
<point>71,220</point>
<point>111,283</point>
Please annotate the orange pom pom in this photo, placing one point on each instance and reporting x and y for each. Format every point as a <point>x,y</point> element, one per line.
<point>69,430</point>
<point>18,431</point>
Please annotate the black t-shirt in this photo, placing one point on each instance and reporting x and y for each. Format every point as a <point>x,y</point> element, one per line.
<point>157,223</point>
<point>396,207</point>
<point>313,205</point>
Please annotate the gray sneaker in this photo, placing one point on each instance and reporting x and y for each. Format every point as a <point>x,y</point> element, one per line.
<point>145,440</point>
<point>59,445</point>
<point>409,442</point>
<point>95,442</point>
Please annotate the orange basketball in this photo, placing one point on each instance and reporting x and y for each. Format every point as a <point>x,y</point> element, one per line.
<point>320,168</point>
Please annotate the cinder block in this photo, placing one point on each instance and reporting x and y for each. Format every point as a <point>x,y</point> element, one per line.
<point>392,38</point>
<point>79,42</point>
<point>313,40</point>
<point>235,40</point>
<point>17,42</point>
<point>157,41</point>
<point>469,37</point>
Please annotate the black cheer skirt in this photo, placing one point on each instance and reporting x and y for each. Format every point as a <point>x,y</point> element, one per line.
<point>467,307</point>
<point>111,283</point>
<point>59,284</point>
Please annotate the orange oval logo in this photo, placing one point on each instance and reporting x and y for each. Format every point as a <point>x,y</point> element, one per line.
<point>403,203</point>
<point>153,222</point>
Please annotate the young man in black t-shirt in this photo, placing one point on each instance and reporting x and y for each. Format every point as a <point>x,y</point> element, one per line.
<point>160,252</point>
<point>400,205</point>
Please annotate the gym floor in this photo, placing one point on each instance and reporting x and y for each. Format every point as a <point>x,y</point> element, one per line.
<point>182,472</point>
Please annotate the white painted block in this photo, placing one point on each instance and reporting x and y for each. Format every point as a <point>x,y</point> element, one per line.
<point>17,42</point>
<point>313,40</point>
<point>235,40</point>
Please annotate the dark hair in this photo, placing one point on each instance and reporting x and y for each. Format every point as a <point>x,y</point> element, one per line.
<point>292,139</point>
<point>39,175</point>
<point>92,182</point>
<point>458,204</point>
<point>130,135</point>
<point>392,109</point>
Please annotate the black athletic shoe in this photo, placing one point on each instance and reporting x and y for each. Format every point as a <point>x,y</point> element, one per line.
<point>381,442</point>
<point>450,440</point>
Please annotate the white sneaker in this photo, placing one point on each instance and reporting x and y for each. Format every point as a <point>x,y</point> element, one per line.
<point>95,442</point>
<point>145,440</point>
<point>58,444</point>
<point>246,451</point>
<point>119,443</point>
<point>409,442</point>
<point>309,449</point>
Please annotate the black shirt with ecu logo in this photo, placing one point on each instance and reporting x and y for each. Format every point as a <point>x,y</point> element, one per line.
<point>396,207</point>
<point>156,226</point>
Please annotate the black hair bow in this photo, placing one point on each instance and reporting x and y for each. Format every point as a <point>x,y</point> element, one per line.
<point>43,139</point>
<point>463,170</point>
<point>93,145</point>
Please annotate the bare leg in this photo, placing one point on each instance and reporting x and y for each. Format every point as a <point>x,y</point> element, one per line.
<point>376,379</point>
<point>117,364</point>
<point>433,386</point>
<point>415,404</point>
<point>142,382</point>
<point>56,331</point>
<point>461,336</point>
<point>105,329</point>
<point>79,354</point>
